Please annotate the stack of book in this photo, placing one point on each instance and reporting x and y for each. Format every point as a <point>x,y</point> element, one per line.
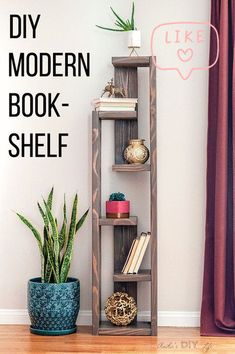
<point>136,254</point>
<point>115,104</point>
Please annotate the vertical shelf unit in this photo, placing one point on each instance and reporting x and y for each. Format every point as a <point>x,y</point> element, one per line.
<point>125,230</point>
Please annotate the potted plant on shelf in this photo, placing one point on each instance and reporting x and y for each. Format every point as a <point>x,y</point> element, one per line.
<point>134,38</point>
<point>54,298</point>
<point>117,207</point>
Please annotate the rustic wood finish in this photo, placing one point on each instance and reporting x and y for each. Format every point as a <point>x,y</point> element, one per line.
<point>143,275</point>
<point>132,221</point>
<point>125,130</point>
<point>96,206</point>
<point>131,168</point>
<point>123,237</point>
<point>125,230</point>
<point>127,78</point>
<point>131,61</point>
<point>118,115</point>
<point>136,329</point>
<point>153,188</point>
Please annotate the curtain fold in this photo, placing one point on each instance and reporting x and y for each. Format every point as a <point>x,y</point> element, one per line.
<point>218,302</point>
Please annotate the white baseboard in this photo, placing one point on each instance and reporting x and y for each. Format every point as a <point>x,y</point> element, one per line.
<point>165,318</point>
<point>179,319</point>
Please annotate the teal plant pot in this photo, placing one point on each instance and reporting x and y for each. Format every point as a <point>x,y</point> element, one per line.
<point>53,308</point>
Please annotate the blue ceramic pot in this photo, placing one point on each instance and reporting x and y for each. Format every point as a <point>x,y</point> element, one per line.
<point>53,308</point>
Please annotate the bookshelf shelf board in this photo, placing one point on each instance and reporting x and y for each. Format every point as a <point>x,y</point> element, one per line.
<point>143,275</point>
<point>131,168</point>
<point>131,61</point>
<point>132,221</point>
<point>137,329</point>
<point>117,115</point>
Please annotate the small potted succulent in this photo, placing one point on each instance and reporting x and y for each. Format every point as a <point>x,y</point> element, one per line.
<point>54,298</point>
<point>117,206</point>
<point>134,38</point>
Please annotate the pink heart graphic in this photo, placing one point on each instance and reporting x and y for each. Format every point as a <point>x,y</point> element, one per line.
<point>185,55</point>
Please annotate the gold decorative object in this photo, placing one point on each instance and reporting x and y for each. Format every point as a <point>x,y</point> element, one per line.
<point>113,90</point>
<point>136,152</point>
<point>120,309</point>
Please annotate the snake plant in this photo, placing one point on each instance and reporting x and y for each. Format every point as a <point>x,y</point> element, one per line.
<point>55,244</point>
<point>122,25</point>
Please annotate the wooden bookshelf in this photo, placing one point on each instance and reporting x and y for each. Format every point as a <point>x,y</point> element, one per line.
<point>124,230</point>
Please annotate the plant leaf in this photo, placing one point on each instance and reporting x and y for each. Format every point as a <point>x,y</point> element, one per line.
<point>39,241</point>
<point>65,210</point>
<point>62,233</point>
<point>48,267</point>
<point>32,228</point>
<point>46,230</point>
<point>69,249</point>
<point>62,236</point>
<point>81,221</point>
<point>133,16</point>
<point>48,272</point>
<point>110,29</point>
<point>129,28</point>
<point>50,198</point>
<point>118,24</point>
<point>45,240</point>
<point>55,237</point>
<point>51,260</point>
<point>118,17</point>
<point>125,28</point>
<point>44,216</point>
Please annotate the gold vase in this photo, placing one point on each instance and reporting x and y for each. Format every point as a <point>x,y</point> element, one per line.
<point>136,152</point>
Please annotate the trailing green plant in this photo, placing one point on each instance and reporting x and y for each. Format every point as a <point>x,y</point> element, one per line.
<point>117,197</point>
<point>122,25</point>
<point>55,244</point>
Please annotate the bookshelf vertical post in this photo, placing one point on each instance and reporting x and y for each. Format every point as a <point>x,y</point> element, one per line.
<point>96,210</point>
<point>153,193</point>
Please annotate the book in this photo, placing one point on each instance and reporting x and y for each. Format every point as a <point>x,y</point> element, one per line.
<point>117,101</point>
<point>142,253</point>
<point>114,104</point>
<point>133,242</point>
<point>136,241</point>
<point>137,252</point>
<point>116,109</point>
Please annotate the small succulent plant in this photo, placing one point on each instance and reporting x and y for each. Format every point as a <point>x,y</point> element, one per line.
<point>122,25</point>
<point>117,197</point>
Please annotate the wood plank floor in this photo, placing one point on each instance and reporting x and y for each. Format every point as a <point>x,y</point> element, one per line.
<point>18,340</point>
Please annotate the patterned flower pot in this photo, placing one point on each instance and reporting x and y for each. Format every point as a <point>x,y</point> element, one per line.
<point>53,308</point>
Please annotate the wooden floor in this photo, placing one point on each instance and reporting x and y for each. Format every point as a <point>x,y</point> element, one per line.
<point>18,340</point>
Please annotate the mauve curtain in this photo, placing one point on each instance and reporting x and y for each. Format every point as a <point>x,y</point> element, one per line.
<point>218,300</point>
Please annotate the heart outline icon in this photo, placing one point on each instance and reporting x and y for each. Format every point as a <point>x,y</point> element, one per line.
<point>183,56</point>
